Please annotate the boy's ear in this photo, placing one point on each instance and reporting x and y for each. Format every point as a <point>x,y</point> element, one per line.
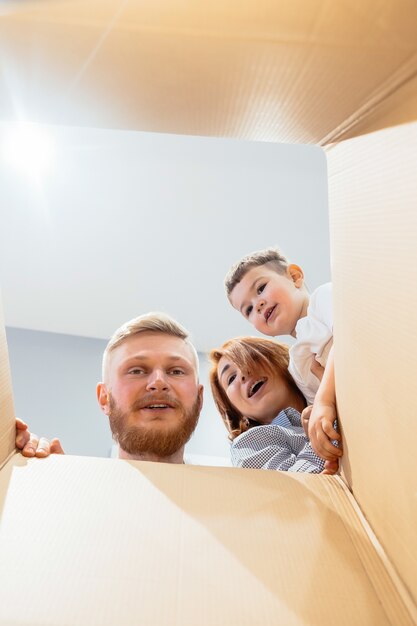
<point>296,274</point>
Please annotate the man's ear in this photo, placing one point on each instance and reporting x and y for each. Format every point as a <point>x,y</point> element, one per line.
<point>296,274</point>
<point>200,395</point>
<point>103,397</point>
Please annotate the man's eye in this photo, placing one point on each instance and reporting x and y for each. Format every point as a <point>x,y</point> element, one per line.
<point>249,310</point>
<point>177,371</point>
<point>260,288</point>
<point>135,370</point>
<point>231,379</point>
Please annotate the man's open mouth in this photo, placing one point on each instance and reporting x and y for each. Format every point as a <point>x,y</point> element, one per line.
<point>256,386</point>
<point>269,312</point>
<point>158,406</point>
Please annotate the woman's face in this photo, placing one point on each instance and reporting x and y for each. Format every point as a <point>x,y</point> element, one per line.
<point>257,394</point>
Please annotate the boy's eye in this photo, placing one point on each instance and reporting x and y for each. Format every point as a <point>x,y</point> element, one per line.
<point>249,310</point>
<point>260,288</point>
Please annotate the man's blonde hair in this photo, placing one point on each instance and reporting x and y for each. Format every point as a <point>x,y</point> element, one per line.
<point>148,323</point>
<point>270,256</point>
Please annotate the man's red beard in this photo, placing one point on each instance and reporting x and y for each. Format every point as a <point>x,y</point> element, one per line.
<point>141,438</point>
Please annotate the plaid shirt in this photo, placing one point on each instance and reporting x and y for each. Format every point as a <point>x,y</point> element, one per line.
<point>281,445</point>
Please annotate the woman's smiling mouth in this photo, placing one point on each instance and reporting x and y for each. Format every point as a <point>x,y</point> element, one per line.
<point>256,386</point>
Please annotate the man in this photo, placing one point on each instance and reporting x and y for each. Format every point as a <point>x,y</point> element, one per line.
<point>150,392</point>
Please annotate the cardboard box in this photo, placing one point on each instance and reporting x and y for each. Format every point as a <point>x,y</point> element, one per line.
<point>94,541</point>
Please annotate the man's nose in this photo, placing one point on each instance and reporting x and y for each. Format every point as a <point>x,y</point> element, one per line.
<point>157,381</point>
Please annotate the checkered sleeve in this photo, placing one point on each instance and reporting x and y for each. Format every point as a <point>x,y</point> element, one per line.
<point>277,448</point>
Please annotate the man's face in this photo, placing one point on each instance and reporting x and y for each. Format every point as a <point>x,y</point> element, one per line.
<point>153,395</point>
<point>271,302</point>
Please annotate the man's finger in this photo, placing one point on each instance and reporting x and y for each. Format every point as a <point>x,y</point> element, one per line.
<point>20,424</point>
<point>56,447</point>
<point>31,447</point>
<point>43,448</point>
<point>22,438</point>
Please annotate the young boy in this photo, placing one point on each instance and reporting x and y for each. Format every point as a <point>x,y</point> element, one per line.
<point>270,293</point>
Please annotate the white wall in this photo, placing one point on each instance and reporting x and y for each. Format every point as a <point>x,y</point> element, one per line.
<point>125,223</point>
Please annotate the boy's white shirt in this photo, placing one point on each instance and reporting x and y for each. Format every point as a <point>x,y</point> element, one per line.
<point>314,336</point>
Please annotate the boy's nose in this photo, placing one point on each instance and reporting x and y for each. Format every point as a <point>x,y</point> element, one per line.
<point>261,305</point>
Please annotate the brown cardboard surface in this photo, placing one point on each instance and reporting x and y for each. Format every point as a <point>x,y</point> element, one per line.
<point>86,541</point>
<point>373,191</point>
<point>103,541</point>
<point>289,71</point>
<point>398,107</point>
<point>7,417</point>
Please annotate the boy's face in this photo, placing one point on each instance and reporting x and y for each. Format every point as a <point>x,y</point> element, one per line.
<point>272,302</point>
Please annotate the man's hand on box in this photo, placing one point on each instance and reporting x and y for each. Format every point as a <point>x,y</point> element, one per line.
<point>32,445</point>
<point>22,434</point>
<point>321,432</point>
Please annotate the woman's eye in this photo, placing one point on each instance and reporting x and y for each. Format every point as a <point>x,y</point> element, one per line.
<point>249,310</point>
<point>231,379</point>
<point>261,288</point>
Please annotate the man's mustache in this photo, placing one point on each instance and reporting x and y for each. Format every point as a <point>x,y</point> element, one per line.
<point>153,398</point>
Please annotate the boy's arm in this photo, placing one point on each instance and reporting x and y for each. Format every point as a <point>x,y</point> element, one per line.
<point>320,427</point>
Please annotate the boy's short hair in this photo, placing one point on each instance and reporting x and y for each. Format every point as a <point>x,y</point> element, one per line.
<point>270,256</point>
<point>149,322</point>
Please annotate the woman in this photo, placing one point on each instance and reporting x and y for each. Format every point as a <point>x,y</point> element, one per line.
<point>261,406</point>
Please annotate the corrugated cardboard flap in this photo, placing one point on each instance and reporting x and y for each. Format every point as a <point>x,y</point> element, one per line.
<point>7,416</point>
<point>288,71</point>
<point>100,541</point>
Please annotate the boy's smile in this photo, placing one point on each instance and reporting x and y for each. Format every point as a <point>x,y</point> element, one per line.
<point>268,312</point>
<point>272,302</point>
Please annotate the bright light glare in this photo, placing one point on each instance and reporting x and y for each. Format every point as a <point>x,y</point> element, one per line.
<point>29,149</point>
